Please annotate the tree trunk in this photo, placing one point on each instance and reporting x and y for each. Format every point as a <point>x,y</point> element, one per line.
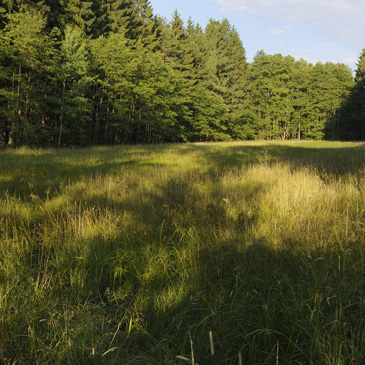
<point>18,110</point>
<point>97,119</point>
<point>107,125</point>
<point>62,114</point>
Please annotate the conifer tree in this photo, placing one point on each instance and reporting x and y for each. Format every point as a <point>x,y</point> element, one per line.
<point>360,91</point>
<point>208,108</point>
<point>112,61</point>
<point>5,82</point>
<point>85,14</point>
<point>146,28</point>
<point>52,10</point>
<point>237,84</point>
<point>178,54</point>
<point>136,93</point>
<point>280,98</point>
<point>227,72</point>
<point>29,61</point>
<point>352,114</point>
<point>55,13</point>
<point>119,16</point>
<point>110,71</point>
<point>358,103</point>
<point>75,83</point>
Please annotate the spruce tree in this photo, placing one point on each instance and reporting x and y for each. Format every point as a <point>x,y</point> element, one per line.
<point>178,54</point>
<point>137,94</point>
<point>85,14</point>
<point>280,99</point>
<point>28,52</point>
<point>112,64</point>
<point>74,82</point>
<point>227,73</point>
<point>5,82</point>
<point>207,107</point>
<point>119,16</point>
<point>146,28</point>
<point>358,101</point>
<point>352,114</point>
<point>237,84</point>
<point>360,91</point>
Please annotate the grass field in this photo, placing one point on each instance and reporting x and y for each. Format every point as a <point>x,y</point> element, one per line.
<point>224,253</point>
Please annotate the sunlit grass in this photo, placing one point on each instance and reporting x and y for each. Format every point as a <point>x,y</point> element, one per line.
<point>135,254</point>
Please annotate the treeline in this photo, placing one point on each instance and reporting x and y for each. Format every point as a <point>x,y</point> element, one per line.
<point>75,72</point>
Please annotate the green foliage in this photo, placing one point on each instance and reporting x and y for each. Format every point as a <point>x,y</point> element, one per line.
<point>74,108</point>
<point>178,54</point>
<point>29,66</point>
<point>145,28</point>
<point>351,117</point>
<point>119,15</point>
<point>227,72</point>
<point>136,92</point>
<point>64,81</point>
<point>294,99</point>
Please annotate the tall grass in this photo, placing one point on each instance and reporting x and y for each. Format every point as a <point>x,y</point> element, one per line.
<point>226,253</point>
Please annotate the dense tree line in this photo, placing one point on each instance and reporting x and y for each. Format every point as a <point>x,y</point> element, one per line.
<point>76,72</point>
<point>351,115</point>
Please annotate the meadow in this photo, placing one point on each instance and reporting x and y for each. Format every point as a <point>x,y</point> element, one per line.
<point>217,253</point>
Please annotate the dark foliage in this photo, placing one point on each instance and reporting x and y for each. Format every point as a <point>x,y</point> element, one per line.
<point>110,71</point>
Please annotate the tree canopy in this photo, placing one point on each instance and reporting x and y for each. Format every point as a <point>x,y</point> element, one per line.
<point>76,72</point>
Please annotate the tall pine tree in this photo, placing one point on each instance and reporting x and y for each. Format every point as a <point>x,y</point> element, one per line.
<point>227,73</point>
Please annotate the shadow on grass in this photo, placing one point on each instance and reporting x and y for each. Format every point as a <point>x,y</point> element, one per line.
<point>36,173</point>
<point>249,294</point>
<point>172,273</point>
<point>326,160</point>
<point>252,295</point>
<point>257,297</point>
<point>28,172</point>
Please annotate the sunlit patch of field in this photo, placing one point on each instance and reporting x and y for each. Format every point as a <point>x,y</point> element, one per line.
<point>162,254</point>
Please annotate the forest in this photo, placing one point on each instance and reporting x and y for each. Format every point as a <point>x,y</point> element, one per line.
<point>83,73</point>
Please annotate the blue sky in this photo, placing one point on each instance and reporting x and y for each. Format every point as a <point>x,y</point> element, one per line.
<point>316,30</point>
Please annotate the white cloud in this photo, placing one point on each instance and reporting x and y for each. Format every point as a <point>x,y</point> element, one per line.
<point>281,30</point>
<point>340,20</point>
<point>232,5</point>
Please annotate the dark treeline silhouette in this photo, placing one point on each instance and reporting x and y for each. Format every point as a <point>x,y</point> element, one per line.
<point>75,72</point>
<point>351,116</point>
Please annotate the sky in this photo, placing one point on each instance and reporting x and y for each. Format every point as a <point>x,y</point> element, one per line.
<point>316,30</point>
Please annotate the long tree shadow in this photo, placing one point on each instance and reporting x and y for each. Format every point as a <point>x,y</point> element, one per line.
<point>44,171</point>
<point>27,172</point>
<point>257,296</point>
<point>182,264</point>
<point>249,294</point>
<point>332,161</point>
